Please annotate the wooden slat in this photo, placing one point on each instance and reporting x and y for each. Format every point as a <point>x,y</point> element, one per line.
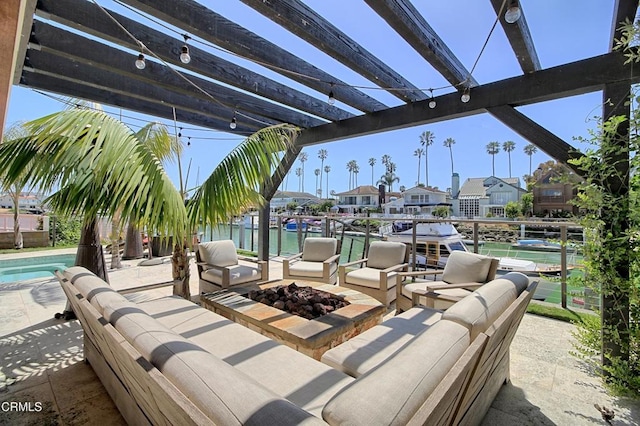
<point>405,19</point>
<point>623,10</point>
<point>86,17</point>
<point>197,19</point>
<point>519,37</point>
<point>307,24</point>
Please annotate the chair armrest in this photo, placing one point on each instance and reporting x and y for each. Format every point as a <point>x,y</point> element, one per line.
<point>414,274</point>
<point>291,258</point>
<point>355,262</point>
<point>431,297</point>
<point>249,259</point>
<point>436,287</point>
<point>332,259</point>
<point>395,268</point>
<point>210,266</point>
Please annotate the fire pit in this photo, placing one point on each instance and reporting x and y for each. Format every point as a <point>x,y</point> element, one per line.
<point>306,302</point>
<point>312,337</point>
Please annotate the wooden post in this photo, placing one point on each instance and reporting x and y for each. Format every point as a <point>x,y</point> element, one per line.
<point>263,232</point>
<point>563,265</point>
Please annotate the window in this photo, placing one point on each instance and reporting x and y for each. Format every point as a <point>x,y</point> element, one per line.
<point>366,200</point>
<point>457,246</point>
<point>556,193</point>
<point>501,198</point>
<point>349,200</point>
<point>469,207</point>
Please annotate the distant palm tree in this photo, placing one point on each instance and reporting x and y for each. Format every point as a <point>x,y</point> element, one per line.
<point>299,174</point>
<point>372,162</point>
<point>327,169</point>
<point>317,173</point>
<point>388,179</point>
<point>356,170</point>
<point>350,166</point>
<point>530,150</point>
<point>322,155</point>
<point>426,140</point>
<point>418,153</point>
<point>303,158</point>
<point>492,149</point>
<point>509,146</point>
<point>449,142</point>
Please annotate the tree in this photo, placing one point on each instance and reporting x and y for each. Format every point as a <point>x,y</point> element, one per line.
<point>327,169</point>
<point>492,149</point>
<point>418,153</point>
<point>322,155</point>
<point>317,173</point>
<point>350,167</point>
<point>426,140</point>
<point>15,131</point>
<point>527,204</point>
<point>299,174</point>
<point>441,212</point>
<point>512,209</point>
<point>303,156</point>
<point>449,142</point>
<point>388,179</point>
<point>372,162</point>
<point>509,146</point>
<point>386,159</point>
<point>530,150</point>
<point>356,170</point>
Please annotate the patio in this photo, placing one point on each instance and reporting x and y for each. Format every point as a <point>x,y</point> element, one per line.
<point>42,363</point>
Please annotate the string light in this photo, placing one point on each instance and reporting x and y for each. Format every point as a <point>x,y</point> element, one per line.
<point>432,102</point>
<point>140,62</point>
<point>466,97</point>
<point>332,98</point>
<point>185,58</point>
<point>188,140</point>
<point>180,132</point>
<point>234,122</point>
<point>513,13</point>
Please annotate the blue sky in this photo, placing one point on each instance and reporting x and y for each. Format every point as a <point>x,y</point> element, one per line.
<point>563,31</point>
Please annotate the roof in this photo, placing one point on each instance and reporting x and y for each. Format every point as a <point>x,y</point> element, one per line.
<point>360,190</point>
<point>293,194</point>
<point>475,187</point>
<point>424,189</point>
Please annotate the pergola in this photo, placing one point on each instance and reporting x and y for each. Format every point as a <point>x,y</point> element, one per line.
<point>85,55</point>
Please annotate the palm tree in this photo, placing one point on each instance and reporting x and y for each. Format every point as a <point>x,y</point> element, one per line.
<point>449,142</point>
<point>317,173</point>
<point>509,146</point>
<point>418,153</point>
<point>327,169</point>
<point>492,149</point>
<point>350,165</point>
<point>386,159</point>
<point>303,158</point>
<point>530,150</point>
<point>299,174</point>
<point>426,140</point>
<point>356,170</point>
<point>15,131</point>
<point>388,179</point>
<point>372,162</point>
<point>322,155</point>
<point>97,166</point>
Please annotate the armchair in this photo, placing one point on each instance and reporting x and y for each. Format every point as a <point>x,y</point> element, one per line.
<point>219,267</point>
<point>378,277</point>
<point>318,261</point>
<point>463,273</point>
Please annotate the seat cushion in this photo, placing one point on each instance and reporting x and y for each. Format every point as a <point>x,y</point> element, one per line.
<point>391,393</point>
<point>482,307</point>
<point>93,288</point>
<point>219,253</point>
<point>238,274</point>
<point>409,288</point>
<point>371,348</point>
<point>302,380</point>
<point>463,267</point>
<point>310,269</point>
<point>369,277</point>
<point>319,249</point>
<point>384,254</point>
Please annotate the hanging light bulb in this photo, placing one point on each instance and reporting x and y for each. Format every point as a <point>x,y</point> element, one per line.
<point>332,99</point>
<point>466,97</point>
<point>233,123</point>
<point>513,13</point>
<point>432,102</point>
<point>188,140</point>
<point>140,62</point>
<point>185,58</point>
<point>180,132</point>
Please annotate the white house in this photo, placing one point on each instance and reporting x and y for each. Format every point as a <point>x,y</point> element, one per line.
<point>281,199</point>
<point>28,201</point>
<point>418,200</point>
<point>358,199</point>
<point>479,197</point>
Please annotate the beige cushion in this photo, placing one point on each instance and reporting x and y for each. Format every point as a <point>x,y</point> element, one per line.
<point>223,393</point>
<point>392,393</point>
<point>310,269</point>
<point>371,348</point>
<point>94,289</point>
<point>300,379</point>
<point>319,249</point>
<point>463,267</point>
<point>482,307</point>
<point>238,274</point>
<point>369,277</point>
<point>409,288</point>
<point>219,253</point>
<point>384,254</point>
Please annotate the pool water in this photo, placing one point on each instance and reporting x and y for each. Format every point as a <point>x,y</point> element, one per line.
<point>34,267</point>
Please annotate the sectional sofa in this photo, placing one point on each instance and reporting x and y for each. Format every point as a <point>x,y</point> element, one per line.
<point>169,361</point>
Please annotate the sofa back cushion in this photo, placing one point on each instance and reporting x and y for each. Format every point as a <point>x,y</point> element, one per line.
<point>391,393</point>
<point>220,253</point>
<point>481,308</point>
<point>463,267</point>
<point>223,393</point>
<point>383,254</point>
<point>319,249</point>
<point>94,289</point>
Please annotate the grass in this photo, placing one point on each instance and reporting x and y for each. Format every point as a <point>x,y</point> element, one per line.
<point>32,249</point>
<point>556,312</point>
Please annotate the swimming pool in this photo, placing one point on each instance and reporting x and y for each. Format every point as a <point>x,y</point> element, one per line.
<point>33,267</point>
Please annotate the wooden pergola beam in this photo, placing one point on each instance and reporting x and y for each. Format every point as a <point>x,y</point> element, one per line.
<point>198,20</point>
<point>89,19</point>
<point>519,37</point>
<point>307,24</point>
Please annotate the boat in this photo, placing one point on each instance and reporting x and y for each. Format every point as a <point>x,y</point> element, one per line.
<point>306,226</point>
<point>540,245</point>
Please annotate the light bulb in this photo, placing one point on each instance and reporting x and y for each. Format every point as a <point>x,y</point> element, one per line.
<point>465,97</point>
<point>332,99</point>
<point>233,123</point>
<point>140,62</point>
<point>432,103</point>
<point>185,58</point>
<point>512,14</point>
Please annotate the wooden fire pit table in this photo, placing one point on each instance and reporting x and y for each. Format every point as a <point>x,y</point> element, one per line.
<point>310,337</point>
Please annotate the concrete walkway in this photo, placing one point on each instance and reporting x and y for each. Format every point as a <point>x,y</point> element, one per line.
<point>41,363</point>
